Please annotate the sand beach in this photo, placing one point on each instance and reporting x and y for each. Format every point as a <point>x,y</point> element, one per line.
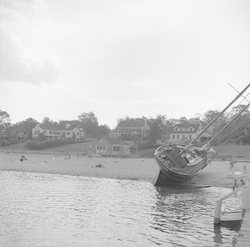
<point>216,174</point>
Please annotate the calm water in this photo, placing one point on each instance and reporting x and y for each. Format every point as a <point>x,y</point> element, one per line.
<point>56,210</point>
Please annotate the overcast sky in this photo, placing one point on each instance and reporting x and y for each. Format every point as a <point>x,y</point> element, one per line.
<point>135,58</point>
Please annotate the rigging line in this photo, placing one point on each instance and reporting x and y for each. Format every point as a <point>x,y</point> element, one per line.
<point>232,134</point>
<point>240,73</point>
<point>239,92</point>
<point>221,147</point>
<point>220,114</point>
<point>230,121</point>
<point>219,91</point>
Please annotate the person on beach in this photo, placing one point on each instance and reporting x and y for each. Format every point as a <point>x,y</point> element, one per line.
<point>242,182</point>
<point>23,158</point>
<point>231,163</point>
<point>235,185</point>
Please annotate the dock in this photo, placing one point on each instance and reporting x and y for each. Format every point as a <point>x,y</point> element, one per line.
<point>241,218</point>
<point>243,239</point>
<point>231,216</point>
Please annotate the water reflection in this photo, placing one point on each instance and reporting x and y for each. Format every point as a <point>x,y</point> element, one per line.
<point>56,210</point>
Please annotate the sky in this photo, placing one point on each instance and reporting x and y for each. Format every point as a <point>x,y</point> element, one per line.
<point>61,58</point>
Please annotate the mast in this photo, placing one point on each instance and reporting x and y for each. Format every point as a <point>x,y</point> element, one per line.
<point>220,114</point>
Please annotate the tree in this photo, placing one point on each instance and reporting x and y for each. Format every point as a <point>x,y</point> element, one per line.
<point>27,125</point>
<point>196,120</point>
<point>4,118</point>
<point>241,121</point>
<point>42,137</point>
<point>47,121</point>
<point>88,117</point>
<point>210,115</point>
<point>74,136</point>
<point>183,120</point>
<point>103,130</point>
<point>89,123</point>
<point>156,127</point>
<point>237,109</point>
<point>173,121</point>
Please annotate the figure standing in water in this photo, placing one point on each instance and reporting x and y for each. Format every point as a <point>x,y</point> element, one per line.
<point>235,185</point>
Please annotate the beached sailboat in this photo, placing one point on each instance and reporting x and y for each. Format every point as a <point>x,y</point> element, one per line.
<point>178,164</point>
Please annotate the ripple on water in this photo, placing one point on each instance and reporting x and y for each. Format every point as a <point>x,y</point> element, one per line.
<point>60,210</point>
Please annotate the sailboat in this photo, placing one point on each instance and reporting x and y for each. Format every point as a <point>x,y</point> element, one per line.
<point>178,164</point>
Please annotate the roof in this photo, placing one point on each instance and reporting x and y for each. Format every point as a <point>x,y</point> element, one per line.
<point>115,141</point>
<point>132,123</point>
<point>185,126</point>
<point>56,128</point>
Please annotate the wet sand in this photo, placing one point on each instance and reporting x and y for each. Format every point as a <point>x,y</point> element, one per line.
<point>216,174</point>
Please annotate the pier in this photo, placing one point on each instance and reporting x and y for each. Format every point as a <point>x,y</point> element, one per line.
<point>239,217</point>
<point>243,239</point>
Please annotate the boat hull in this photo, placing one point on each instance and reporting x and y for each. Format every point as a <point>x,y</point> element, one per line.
<point>167,177</point>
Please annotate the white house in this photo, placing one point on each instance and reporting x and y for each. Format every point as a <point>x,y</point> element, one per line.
<point>58,132</point>
<point>131,129</point>
<point>183,132</point>
<point>112,147</point>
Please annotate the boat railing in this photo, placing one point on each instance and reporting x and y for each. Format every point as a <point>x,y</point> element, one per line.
<point>218,206</point>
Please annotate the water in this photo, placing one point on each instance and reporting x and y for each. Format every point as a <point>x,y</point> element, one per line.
<point>56,210</point>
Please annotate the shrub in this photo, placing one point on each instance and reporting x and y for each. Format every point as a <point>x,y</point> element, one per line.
<point>30,145</point>
<point>147,145</point>
<point>243,140</point>
<point>35,145</point>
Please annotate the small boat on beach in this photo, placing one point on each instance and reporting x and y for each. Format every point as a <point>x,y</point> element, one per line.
<point>179,164</point>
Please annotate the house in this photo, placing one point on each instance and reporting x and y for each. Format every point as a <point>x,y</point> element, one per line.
<point>112,147</point>
<point>131,129</point>
<point>13,134</point>
<point>51,132</point>
<point>183,133</point>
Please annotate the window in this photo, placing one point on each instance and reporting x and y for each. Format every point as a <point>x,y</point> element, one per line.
<point>68,133</point>
<point>173,136</point>
<point>116,148</point>
<point>50,132</point>
<point>175,129</point>
<point>177,137</point>
<point>45,131</point>
<point>190,137</point>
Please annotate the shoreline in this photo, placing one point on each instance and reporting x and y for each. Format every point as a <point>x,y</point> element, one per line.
<point>216,174</point>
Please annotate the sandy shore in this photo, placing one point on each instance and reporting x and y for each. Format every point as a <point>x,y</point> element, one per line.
<point>216,174</point>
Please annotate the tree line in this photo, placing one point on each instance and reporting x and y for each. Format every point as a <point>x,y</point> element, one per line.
<point>90,125</point>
